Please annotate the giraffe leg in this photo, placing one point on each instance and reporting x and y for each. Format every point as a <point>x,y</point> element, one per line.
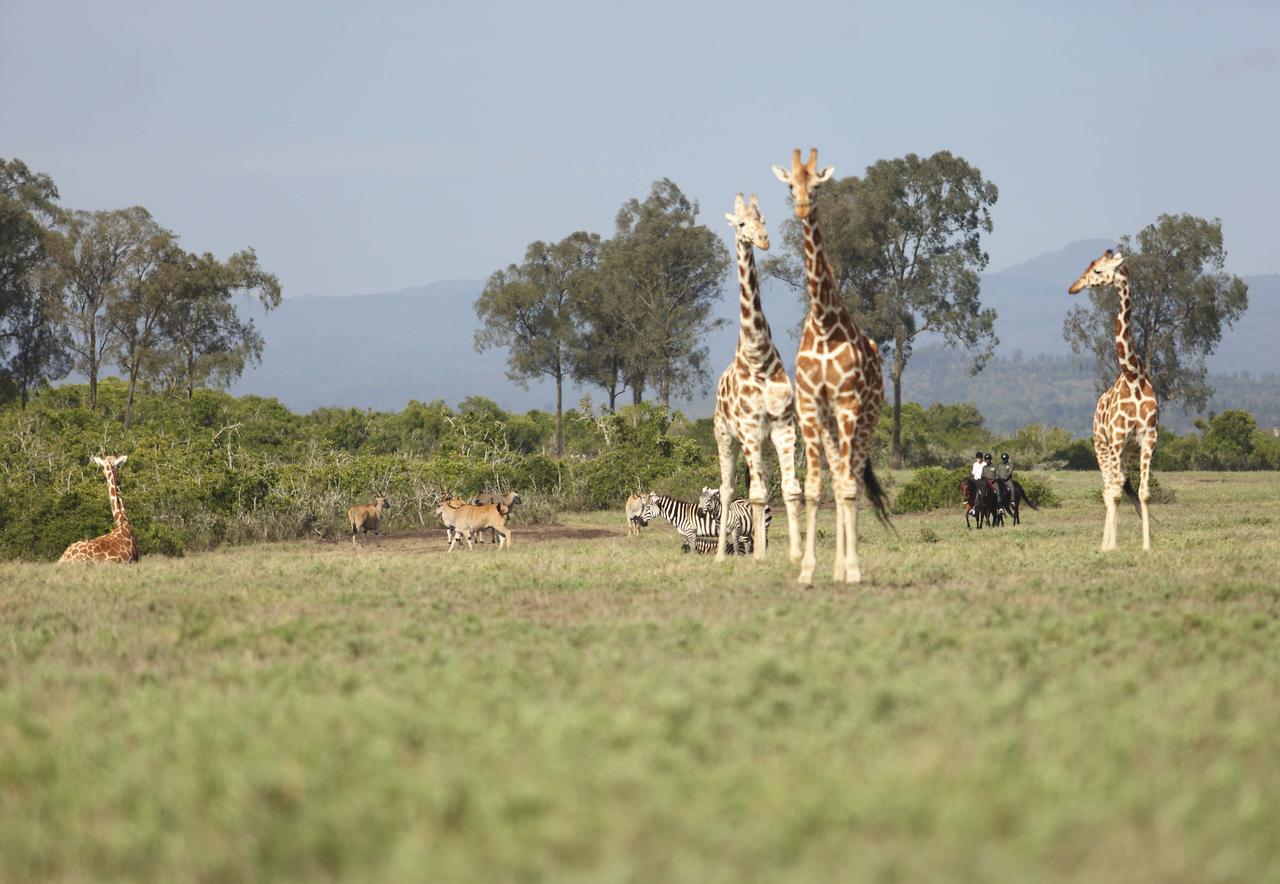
<point>1113,488</point>
<point>840,491</point>
<point>853,467</point>
<point>1144,492</point>
<point>725,443</point>
<point>783,434</point>
<point>759,493</point>
<point>812,496</point>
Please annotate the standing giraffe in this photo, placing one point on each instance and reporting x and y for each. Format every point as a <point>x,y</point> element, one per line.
<point>839,389</point>
<point>1124,423</point>
<point>117,546</point>
<point>754,399</point>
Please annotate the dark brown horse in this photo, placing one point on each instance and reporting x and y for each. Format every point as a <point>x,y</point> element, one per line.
<point>981,501</point>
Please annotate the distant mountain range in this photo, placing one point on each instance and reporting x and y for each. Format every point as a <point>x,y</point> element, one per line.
<point>381,350</point>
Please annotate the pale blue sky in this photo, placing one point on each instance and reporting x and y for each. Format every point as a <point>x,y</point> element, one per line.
<point>382,145</point>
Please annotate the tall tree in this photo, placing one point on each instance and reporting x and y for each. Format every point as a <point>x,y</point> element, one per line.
<point>667,271</point>
<point>92,254</point>
<point>528,308</point>
<point>151,284</point>
<point>38,341</point>
<point>206,340</point>
<point>904,242</point>
<point>604,352</point>
<point>1182,297</point>
<point>30,340</point>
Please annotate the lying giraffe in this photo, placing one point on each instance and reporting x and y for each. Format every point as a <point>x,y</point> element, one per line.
<point>1124,423</point>
<point>754,399</point>
<point>119,545</point>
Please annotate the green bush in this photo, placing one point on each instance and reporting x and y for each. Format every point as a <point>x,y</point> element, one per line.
<point>935,488</point>
<point>931,488</point>
<point>1039,489</point>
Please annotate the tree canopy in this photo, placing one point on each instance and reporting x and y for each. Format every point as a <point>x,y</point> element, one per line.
<point>662,274</point>
<point>31,350</point>
<point>528,308</point>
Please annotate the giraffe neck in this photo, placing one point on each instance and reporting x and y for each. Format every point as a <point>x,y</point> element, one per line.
<point>754,343</point>
<point>1126,348</point>
<point>117,502</point>
<point>824,302</point>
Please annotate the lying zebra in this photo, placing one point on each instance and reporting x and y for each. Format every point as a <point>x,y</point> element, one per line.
<point>701,531</point>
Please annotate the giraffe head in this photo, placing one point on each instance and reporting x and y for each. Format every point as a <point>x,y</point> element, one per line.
<point>803,179</point>
<point>1100,272</point>
<point>748,223</point>
<point>110,462</point>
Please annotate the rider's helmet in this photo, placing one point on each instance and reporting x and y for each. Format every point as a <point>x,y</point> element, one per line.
<point>1005,457</point>
<point>987,457</point>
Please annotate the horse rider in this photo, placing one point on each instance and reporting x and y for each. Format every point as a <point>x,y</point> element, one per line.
<point>976,472</point>
<point>1004,477</point>
<point>989,476</point>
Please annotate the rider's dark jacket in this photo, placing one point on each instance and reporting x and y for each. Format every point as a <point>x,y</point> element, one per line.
<point>1004,471</point>
<point>988,474</point>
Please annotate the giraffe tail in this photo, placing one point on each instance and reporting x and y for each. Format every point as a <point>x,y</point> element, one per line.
<point>876,494</point>
<point>1131,493</point>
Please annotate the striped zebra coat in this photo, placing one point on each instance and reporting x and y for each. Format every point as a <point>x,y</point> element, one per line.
<point>699,530</point>
<point>739,529</point>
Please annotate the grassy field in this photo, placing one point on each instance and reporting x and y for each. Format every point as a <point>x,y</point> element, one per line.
<point>1003,706</point>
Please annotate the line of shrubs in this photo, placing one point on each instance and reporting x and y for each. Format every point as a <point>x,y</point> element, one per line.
<point>214,469</point>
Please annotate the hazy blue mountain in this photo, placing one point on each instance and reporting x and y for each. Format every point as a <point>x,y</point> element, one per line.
<point>381,350</point>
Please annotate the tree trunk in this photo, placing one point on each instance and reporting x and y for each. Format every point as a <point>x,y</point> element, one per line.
<point>896,375</point>
<point>637,394</point>
<point>559,414</point>
<point>128,404</point>
<point>93,384</point>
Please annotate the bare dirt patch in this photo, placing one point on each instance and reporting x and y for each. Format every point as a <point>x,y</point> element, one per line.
<point>434,540</point>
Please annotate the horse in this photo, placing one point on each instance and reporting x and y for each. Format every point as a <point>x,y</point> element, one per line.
<point>979,498</point>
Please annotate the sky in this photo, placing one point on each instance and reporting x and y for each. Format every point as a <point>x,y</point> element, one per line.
<point>376,146</point>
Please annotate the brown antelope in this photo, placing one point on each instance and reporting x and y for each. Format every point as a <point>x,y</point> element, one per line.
<point>447,509</point>
<point>468,519</point>
<point>367,517</point>
<point>510,499</point>
<point>640,512</point>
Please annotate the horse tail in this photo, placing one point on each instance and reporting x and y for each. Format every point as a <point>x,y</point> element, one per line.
<point>876,494</point>
<point>1023,494</point>
<point>1131,493</point>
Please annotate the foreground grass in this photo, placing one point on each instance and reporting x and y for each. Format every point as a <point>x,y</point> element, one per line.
<point>1003,706</point>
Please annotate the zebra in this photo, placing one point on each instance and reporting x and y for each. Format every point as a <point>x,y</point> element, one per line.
<point>740,528</point>
<point>699,530</point>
